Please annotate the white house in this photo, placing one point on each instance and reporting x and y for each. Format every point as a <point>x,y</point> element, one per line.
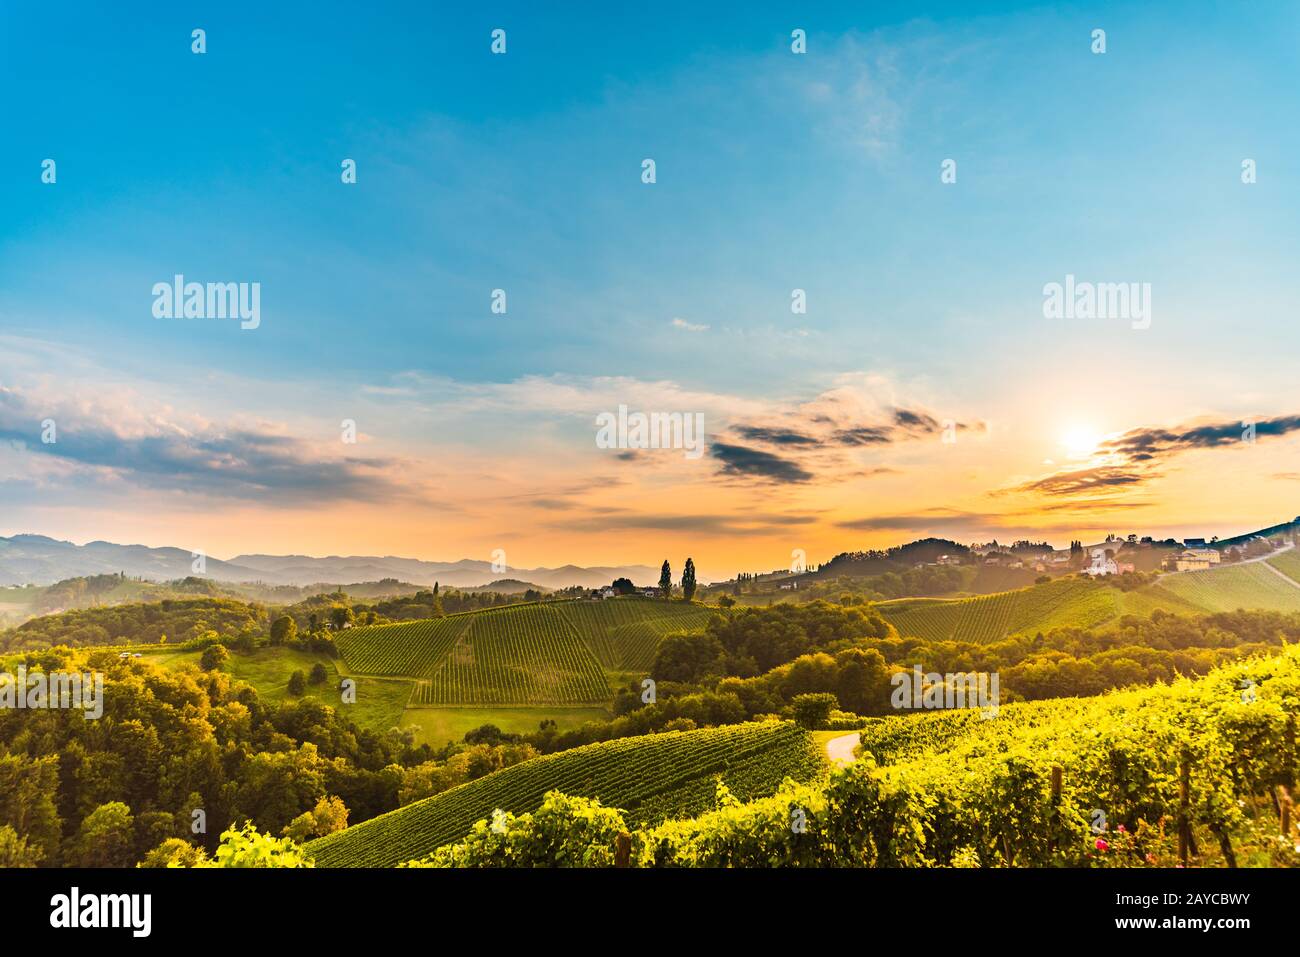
<point>1101,564</point>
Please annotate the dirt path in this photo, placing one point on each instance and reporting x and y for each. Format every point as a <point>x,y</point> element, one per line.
<point>1281,574</point>
<point>841,749</point>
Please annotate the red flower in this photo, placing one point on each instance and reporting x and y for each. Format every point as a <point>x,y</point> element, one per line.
<point>1102,845</point>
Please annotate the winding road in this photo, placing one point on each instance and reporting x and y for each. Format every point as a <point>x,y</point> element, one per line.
<point>841,749</point>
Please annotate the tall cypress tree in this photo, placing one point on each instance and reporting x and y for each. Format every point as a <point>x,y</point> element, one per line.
<point>688,580</point>
<point>666,580</point>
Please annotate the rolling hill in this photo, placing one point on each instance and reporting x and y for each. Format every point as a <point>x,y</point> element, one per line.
<point>527,654</point>
<point>1082,603</point>
<point>652,777</point>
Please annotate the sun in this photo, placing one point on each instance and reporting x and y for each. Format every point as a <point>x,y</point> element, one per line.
<point>1080,441</point>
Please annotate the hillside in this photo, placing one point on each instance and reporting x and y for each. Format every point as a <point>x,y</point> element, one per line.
<point>652,778</point>
<point>1084,603</point>
<point>529,653</point>
<point>1056,604</point>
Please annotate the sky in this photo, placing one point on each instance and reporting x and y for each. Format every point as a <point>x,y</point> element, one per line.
<point>921,173</point>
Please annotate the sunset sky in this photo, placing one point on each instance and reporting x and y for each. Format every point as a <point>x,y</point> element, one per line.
<point>775,171</point>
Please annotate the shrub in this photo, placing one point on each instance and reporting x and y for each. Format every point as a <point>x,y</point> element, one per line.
<point>213,657</point>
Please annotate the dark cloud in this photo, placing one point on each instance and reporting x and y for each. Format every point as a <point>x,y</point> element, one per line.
<point>739,460</point>
<point>863,435</point>
<point>1102,479</point>
<point>1145,445</point>
<point>1134,458</point>
<point>758,433</point>
<point>916,421</point>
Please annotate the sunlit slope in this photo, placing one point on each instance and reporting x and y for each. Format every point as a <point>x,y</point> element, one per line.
<point>529,654</point>
<point>652,777</point>
<point>1251,586</point>
<point>1057,604</point>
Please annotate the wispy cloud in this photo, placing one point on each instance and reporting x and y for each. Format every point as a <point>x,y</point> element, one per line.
<point>190,455</point>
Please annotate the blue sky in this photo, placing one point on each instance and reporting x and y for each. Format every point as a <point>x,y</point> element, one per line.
<point>521,172</point>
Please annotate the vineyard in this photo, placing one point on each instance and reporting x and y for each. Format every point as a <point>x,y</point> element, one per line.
<point>1199,773</point>
<point>1058,604</point>
<point>1236,586</point>
<point>1288,563</point>
<point>652,778</point>
<point>524,655</point>
<point>530,653</point>
<point>1082,603</point>
<point>407,649</point>
<point>625,634</point>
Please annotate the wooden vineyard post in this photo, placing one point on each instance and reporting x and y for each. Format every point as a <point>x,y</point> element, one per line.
<point>1184,797</point>
<point>1284,806</point>
<point>622,849</point>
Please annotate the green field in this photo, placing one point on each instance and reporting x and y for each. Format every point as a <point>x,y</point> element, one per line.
<point>438,725</point>
<point>538,653</point>
<point>652,777</point>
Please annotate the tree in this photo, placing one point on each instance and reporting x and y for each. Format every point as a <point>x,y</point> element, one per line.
<point>329,815</point>
<point>16,852</point>
<point>813,710</point>
<point>666,579</point>
<point>105,837</point>
<point>341,616</point>
<point>687,658</point>
<point>688,580</point>
<point>725,601</point>
<point>297,683</point>
<point>213,657</point>
<point>318,674</point>
<point>284,630</point>
<point>624,586</point>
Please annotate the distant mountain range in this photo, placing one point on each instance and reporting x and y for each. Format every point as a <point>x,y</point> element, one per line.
<point>39,560</point>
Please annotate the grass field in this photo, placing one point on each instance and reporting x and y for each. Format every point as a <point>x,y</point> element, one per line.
<point>652,777</point>
<point>438,725</point>
<point>379,705</point>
